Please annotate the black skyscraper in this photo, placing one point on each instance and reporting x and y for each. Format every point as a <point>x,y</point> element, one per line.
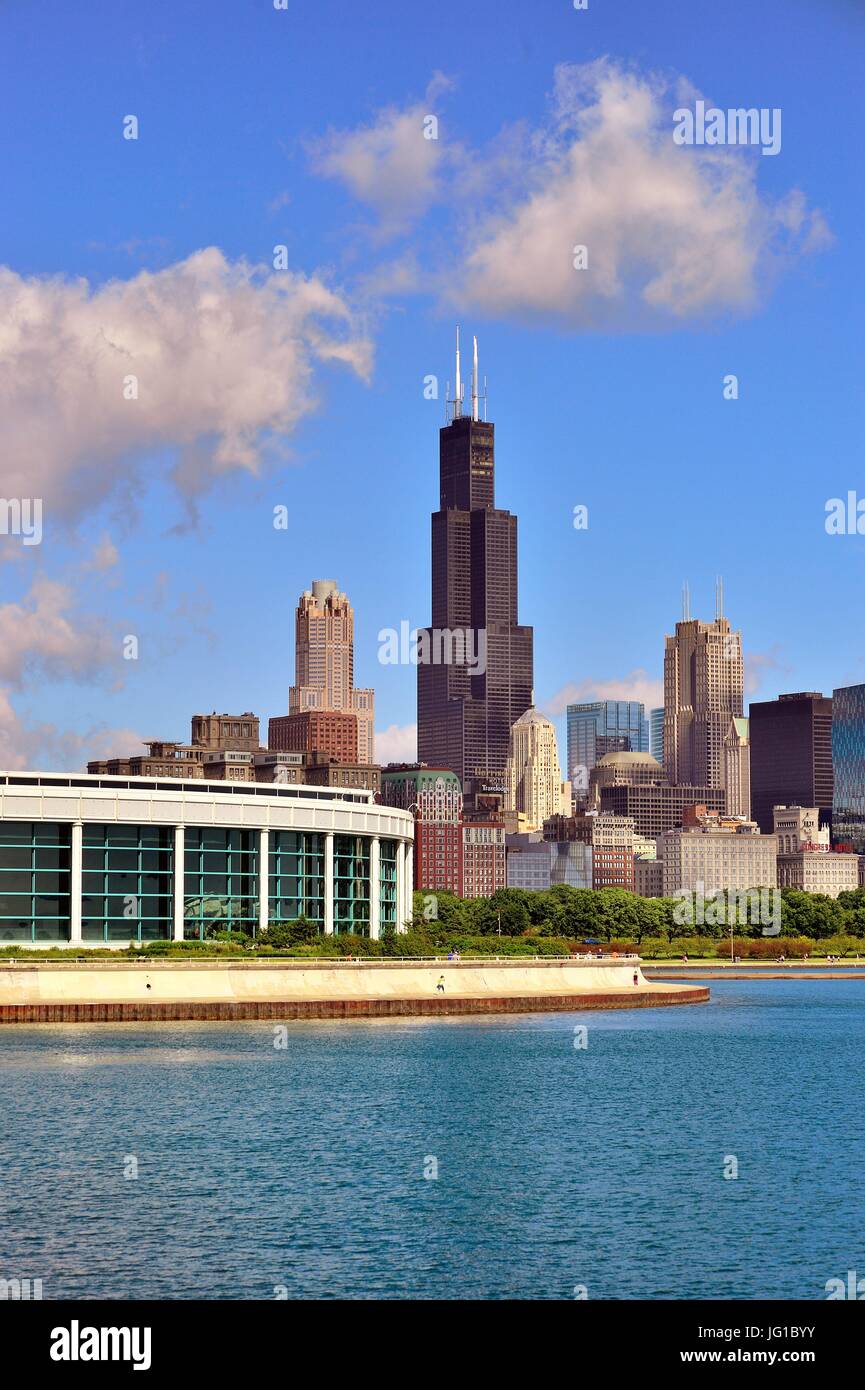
<point>791,755</point>
<point>465,712</point>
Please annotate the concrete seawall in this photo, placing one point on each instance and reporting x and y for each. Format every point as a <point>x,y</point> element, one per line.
<point>137,991</point>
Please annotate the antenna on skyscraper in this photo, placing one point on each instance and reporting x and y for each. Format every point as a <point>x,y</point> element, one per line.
<point>474,378</point>
<point>719,597</point>
<point>485,396</point>
<point>686,602</point>
<point>458,392</point>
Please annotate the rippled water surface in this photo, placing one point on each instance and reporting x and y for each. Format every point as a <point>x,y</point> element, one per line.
<point>303,1168</point>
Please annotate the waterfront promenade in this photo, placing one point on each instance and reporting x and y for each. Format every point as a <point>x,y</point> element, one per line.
<point>147,990</point>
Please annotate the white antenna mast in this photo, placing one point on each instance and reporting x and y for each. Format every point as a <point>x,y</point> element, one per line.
<point>475,379</point>
<point>686,602</point>
<point>458,393</point>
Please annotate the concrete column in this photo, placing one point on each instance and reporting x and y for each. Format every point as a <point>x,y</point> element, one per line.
<point>76,885</point>
<point>403,884</point>
<point>374,888</point>
<point>400,875</point>
<point>328,883</point>
<point>409,880</point>
<point>179,871</point>
<point>263,879</point>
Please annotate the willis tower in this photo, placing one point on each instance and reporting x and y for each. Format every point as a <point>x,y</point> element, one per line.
<point>466,707</point>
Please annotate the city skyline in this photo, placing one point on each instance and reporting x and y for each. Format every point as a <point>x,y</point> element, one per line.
<point>621,412</point>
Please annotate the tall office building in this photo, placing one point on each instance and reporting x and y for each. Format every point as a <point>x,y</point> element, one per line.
<point>534,777</point>
<point>601,727</point>
<point>791,755</point>
<point>848,758</point>
<point>324,663</point>
<point>656,733</point>
<point>703,696</point>
<point>472,688</point>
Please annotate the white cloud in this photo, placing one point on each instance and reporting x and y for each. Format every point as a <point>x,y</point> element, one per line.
<point>637,685</point>
<point>105,555</point>
<point>45,747</point>
<point>42,635</point>
<point>396,744</point>
<point>225,356</point>
<point>671,231</point>
<point>390,164</point>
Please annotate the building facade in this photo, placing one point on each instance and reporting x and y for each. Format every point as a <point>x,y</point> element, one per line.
<point>613,852</point>
<point>715,860</point>
<point>601,727</point>
<point>540,865</point>
<point>624,769</point>
<point>534,777</point>
<point>791,755</point>
<point>703,695</point>
<point>324,664</point>
<point>211,733</point>
<point>484,859</point>
<point>104,861</point>
<point>819,871</point>
<point>649,878</point>
<point>333,733</point>
<point>466,707</point>
<point>233,731</point>
<point>434,798</point>
<point>798,828</point>
<point>655,808</point>
<point>737,768</point>
<point>656,734</point>
<point>848,757</point>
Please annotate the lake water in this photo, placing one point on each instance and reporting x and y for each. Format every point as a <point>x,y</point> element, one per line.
<point>303,1169</point>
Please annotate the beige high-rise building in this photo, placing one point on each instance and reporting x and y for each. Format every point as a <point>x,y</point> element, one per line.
<point>705,743</point>
<point>737,769</point>
<point>535,789</point>
<point>324,663</point>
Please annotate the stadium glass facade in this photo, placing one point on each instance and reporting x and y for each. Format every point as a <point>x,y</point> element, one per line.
<point>96,860</point>
<point>127,883</point>
<point>35,879</point>
<point>220,881</point>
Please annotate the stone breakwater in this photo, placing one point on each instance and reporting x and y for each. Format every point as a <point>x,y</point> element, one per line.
<point>171,990</point>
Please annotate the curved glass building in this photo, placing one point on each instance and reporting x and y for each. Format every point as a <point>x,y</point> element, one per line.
<point>94,860</point>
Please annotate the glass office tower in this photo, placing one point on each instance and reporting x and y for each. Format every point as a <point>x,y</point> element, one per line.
<point>848,757</point>
<point>605,726</point>
<point>656,734</point>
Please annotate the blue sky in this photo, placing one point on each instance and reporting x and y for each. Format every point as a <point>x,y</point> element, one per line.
<point>303,388</point>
